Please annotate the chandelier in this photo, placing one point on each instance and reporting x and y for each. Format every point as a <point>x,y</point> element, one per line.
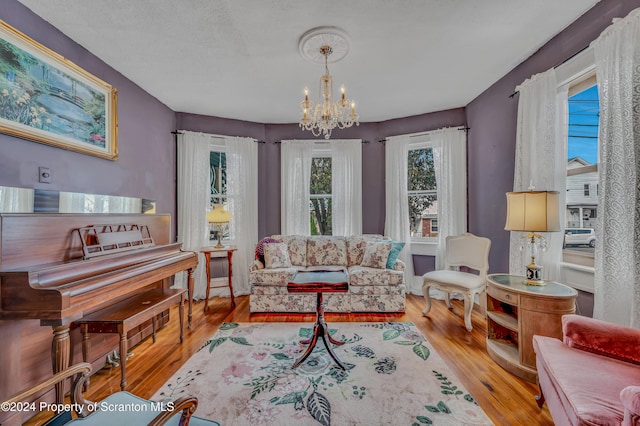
<point>325,115</point>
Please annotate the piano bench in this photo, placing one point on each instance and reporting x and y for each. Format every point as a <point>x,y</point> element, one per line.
<point>128,314</point>
<point>134,411</point>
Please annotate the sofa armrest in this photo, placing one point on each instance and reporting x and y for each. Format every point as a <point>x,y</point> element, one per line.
<point>399,265</point>
<point>255,265</point>
<point>602,338</point>
<point>630,397</point>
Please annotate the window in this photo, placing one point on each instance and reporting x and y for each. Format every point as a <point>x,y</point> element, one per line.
<point>582,166</point>
<point>218,185</point>
<point>320,194</point>
<point>422,191</point>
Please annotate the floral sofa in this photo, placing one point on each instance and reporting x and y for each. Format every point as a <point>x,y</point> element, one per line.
<point>371,289</point>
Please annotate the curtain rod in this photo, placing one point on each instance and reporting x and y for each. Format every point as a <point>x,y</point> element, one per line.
<point>415,135</point>
<point>319,141</point>
<point>561,63</point>
<point>178,132</point>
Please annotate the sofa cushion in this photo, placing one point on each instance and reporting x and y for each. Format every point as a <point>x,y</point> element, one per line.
<point>276,255</point>
<point>588,384</point>
<point>326,251</point>
<point>279,277</point>
<point>455,278</point>
<point>259,252</point>
<point>356,245</point>
<point>365,276</point>
<point>297,245</point>
<point>376,254</point>
<point>601,337</point>
<point>396,249</point>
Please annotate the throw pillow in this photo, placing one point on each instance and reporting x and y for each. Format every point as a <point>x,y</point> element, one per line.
<point>260,248</point>
<point>276,255</point>
<point>396,248</point>
<point>376,254</point>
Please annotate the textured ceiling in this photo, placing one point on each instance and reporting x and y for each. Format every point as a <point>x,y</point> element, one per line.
<point>239,58</point>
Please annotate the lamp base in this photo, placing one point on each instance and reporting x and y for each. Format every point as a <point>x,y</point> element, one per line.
<point>534,274</point>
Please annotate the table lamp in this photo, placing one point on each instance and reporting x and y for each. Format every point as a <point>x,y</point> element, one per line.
<point>219,216</point>
<point>533,212</point>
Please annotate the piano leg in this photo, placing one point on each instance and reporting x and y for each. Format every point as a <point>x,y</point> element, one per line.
<point>60,354</point>
<point>123,357</point>
<point>190,296</point>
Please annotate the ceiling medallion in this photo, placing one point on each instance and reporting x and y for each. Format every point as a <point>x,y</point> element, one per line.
<point>318,45</point>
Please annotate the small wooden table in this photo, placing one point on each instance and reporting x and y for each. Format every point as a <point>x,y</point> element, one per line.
<point>207,255</point>
<point>127,314</point>
<point>319,282</point>
<point>515,312</point>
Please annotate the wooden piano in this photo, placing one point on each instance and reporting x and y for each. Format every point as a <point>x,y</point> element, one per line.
<point>45,277</point>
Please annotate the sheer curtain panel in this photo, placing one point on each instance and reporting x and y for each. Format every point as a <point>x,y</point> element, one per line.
<point>541,160</point>
<point>396,223</point>
<point>346,186</point>
<point>242,191</point>
<point>617,256</point>
<point>450,164</point>
<point>295,173</point>
<point>193,203</point>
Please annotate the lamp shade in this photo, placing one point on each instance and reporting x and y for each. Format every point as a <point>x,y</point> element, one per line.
<point>533,211</point>
<point>218,215</point>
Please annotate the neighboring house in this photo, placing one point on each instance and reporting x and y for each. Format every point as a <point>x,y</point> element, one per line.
<point>582,193</point>
<point>429,222</point>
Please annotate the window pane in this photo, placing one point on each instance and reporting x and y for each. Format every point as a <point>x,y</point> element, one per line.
<point>582,171</point>
<point>421,174</point>
<point>218,185</point>
<point>320,176</point>
<point>218,172</point>
<point>320,215</point>
<point>423,209</point>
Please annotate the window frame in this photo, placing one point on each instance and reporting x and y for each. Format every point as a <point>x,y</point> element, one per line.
<point>422,142</point>
<point>218,145</point>
<point>320,151</point>
<point>581,75</point>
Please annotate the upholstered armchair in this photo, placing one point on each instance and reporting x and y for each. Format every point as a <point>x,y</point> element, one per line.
<point>592,377</point>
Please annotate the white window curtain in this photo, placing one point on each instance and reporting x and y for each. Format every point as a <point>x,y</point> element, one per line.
<point>346,186</point>
<point>396,224</point>
<point>617,255</point>
<point>541,160</point>
<point>242,196</point>
<point>295,177</point>
<point>450,164</point>
<point>193,203</point>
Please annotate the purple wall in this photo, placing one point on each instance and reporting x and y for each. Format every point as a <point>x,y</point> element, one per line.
<point>492,118</point>
<point>146,164</point>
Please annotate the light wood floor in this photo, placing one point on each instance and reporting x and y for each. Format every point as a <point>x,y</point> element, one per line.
<point>505,398</point>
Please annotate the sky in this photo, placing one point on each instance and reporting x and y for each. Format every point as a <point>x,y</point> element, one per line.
<point>584,111</point>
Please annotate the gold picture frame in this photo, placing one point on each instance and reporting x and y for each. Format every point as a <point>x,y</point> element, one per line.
<point>49,99</point>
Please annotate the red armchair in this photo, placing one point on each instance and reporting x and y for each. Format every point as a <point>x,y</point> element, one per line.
<point>592,377</point>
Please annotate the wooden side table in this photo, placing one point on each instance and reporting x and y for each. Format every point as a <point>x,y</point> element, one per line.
<point>515,312</point>
<point>207,255</point>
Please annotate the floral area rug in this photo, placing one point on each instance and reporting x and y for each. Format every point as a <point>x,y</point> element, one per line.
<point>243,376</point>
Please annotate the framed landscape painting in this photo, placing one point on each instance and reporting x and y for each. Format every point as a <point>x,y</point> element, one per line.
<point>48,99</point>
